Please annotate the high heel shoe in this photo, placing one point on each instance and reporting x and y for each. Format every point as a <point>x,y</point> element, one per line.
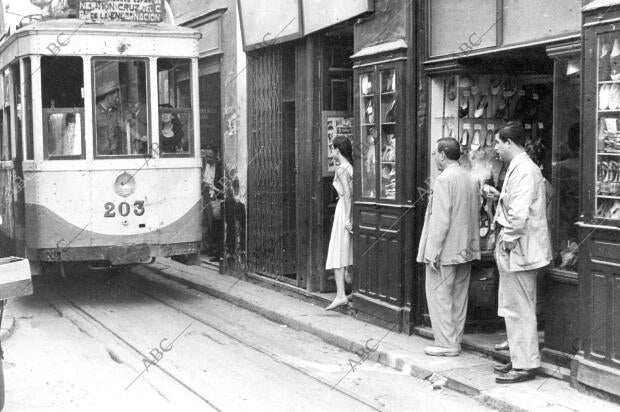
<point>337,302</point>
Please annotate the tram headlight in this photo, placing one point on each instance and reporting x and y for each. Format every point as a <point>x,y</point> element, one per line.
<point>124,185</point>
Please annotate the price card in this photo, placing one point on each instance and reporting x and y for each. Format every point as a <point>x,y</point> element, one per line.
<point>477,127</point>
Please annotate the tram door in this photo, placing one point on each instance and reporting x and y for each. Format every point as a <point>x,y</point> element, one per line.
<point>18,182</point>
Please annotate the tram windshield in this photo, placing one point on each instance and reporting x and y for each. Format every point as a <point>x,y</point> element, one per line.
<point>175,106</point>
<point>121,112</point>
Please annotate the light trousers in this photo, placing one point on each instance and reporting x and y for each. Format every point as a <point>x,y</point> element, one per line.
<point>446,295</point>
<point>517,305</point>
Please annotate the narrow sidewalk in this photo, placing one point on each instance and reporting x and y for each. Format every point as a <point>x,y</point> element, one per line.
<point>470,373</point>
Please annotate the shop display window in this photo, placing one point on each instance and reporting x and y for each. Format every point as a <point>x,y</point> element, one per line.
<point>378,129</point>
<point>607,200</point>
<point>471,108</point>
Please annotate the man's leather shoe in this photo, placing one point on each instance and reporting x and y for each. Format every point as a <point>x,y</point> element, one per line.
<point>501,369</point>
<point>502,346</point>
<point>439,351</point>
<point>516,376</point>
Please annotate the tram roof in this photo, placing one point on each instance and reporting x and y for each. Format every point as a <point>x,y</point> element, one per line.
<point>53,26</point>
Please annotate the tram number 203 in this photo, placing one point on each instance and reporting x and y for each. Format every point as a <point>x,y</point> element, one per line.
<point>124,208</point>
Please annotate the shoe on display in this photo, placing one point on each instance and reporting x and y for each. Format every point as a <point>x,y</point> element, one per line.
<point>474,89</point>
<point>604,63</point>
<point>602,135</point>
<point>614,211</point>
<point>510,87</point>
<point>495,87</point>
<point>488,139</point>
<point>614,97</point>
<point>369,112</point>
<point>603,96</point>
<point>485,223</point>
<point>464,107</point>
<point>475,142</point>
<point>452,88</point>
<point>614,58</point>
<point>465,138</point>
<point>482,107</point>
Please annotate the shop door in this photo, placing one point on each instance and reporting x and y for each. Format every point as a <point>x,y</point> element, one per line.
<point>271,165</point>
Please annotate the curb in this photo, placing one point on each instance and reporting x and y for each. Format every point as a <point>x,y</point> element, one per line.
<point>8,327</point>
<point>385,358</point>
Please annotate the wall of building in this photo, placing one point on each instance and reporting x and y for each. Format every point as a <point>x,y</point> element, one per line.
<point>387,23</point>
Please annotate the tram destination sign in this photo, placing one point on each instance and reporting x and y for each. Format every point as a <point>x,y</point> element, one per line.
<point>142,11</point>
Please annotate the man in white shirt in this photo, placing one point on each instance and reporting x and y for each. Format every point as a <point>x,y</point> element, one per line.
<point>522,248</point>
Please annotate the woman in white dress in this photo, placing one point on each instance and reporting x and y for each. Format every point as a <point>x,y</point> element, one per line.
<point>340,252</point>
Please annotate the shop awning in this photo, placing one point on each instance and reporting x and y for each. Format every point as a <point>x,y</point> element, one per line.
<point>268,22</point>
<point>598,4</point>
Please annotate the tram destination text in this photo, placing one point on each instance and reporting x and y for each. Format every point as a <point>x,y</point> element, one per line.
<point>145,11</point>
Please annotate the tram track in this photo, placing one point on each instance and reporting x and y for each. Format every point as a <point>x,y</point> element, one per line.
<point>157,291</point>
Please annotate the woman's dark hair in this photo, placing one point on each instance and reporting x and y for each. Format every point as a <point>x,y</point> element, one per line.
<point>514,131</point>
<point>344,145</point>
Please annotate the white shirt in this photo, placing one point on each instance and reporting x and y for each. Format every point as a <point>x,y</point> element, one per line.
<point>209,177</point>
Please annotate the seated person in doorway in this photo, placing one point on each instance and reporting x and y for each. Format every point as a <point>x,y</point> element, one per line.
<point>213,195</point>
<point>170,130</point>
<point>108,119</point>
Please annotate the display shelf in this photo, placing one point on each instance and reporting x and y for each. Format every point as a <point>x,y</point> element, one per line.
<point>367,124</point>
<point>368,95</point>
<point>609,111</point>
<point>387,123</point>
<point>608,197</point>
<point>387,93</point>
<point>608,81</point>
<point>608,154</point>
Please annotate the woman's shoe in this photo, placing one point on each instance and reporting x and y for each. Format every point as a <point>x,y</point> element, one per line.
<point>475,142</point>
<point>482,107</point>
<point>336,303</point>
<point>488,140</point>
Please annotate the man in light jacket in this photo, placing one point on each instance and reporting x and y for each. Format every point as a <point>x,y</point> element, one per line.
<point>450,241</point>
<point>523,247</point>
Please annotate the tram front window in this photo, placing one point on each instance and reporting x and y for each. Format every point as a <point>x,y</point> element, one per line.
<point>121,112</point>
<point>62,88</point>
<point>175,106</point>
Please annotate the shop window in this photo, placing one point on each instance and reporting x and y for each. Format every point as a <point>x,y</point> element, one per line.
<point>175,106</point>
<point>62,87</point>
<point>470,108</point>
<point>121,110</point>
<point>566,168</point>
<point>379,129</point>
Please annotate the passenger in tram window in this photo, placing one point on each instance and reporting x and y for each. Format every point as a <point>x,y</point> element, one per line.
<point>170,131</point>
<point>108,119</point>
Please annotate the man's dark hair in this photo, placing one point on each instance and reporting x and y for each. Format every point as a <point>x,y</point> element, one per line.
<point>450,147</point>
<point>514,131</point>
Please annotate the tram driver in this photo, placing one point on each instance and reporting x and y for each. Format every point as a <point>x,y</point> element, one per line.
<point>109,125</point>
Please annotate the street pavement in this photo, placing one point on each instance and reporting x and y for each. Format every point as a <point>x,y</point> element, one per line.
<point>139,341</point>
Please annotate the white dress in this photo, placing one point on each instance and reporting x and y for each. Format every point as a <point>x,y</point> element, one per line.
<point>340,252</point>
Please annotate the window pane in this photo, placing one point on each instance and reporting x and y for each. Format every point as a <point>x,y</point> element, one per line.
<point>566,170</point>
<point>62,85</point>
<point>28,111</point>
<point>64,134</point>
<point>388,138</point>
<point>175,106</point>
<point>369,138</point>
<point>121,114</point>
<point>17,105</point>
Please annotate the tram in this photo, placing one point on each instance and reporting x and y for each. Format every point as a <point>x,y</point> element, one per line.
<point>99,144</point>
